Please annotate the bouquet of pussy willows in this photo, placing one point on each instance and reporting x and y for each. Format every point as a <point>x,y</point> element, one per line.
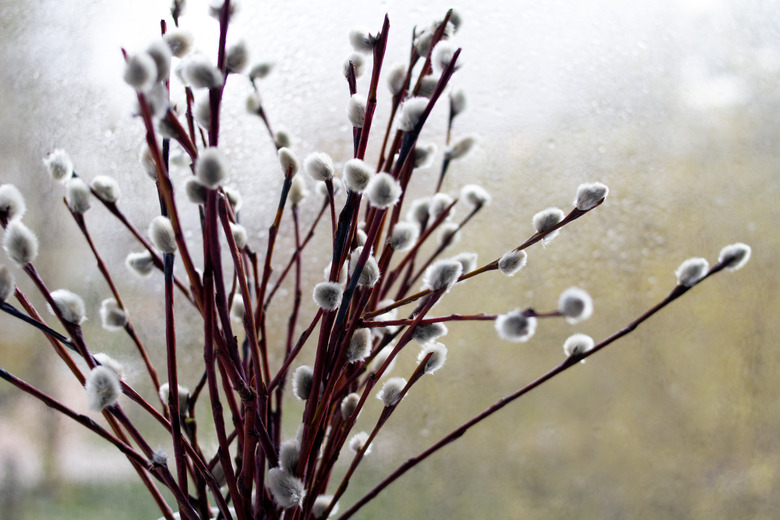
<point>384,261</point>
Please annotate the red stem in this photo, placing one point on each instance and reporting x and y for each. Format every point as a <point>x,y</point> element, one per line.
<point>566,364</point>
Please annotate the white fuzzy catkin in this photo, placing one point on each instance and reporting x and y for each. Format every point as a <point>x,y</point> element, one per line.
<point>396,78</point>
<point>302,381</point>
<point>422,334</point>
<point>575,304</point>
<point>12,204</point>
<point>327,295</point>
<point>422,44</point>
<point>467,260</point>
<point>369,276</point>
<point>423,155</point>
<point>362,40</point>
<point>348,405</point>
<point>390,394</point>
<point>59,165</point>
<point>457,101</point>
<point>288,161</point>
<point>338,187</point>
<point>411,113</point>
<point>359,345</point>
<point>358,441</point>
<point>357,175</point>
<point>140,71</point>
<point>196,192</point>
<point>161,54</point>
<point>20,244</point>
<point>237,308</point>
<point>356,110</point>
<point>438,204</point>
<point>157,99</point>
<point>237,57</point>
<point>475,195</point>
<point>283,139</point>
<point>199,72</point>
<point>577,344</point>
<point>184,396</point>
<point>162,235</point>
<point>106,188</point>
<point>590,195</point>
<point>419,211</point>
<point>179,41</point>
<point>321,504</point>
<point>734,256</point>
<point>288,490</point>
<point>298,191</point>
<point>253,103</point>
<point>146,158</point>
<point>215,8</point>
<point>404,236</point>
<point>512,262</point>
<point>515,326</point>
<point>357,62</point>
<point>319,166</point>
<point>428,86</point>
<point>442,275</point>
<point>202,110</point>
<point>289,454</point>
<point>7,284</point>
<point>70,306</point>
<point>460,148</point>
<point>141,263</point>
<point>233,197</point>
<point>260,70</point>
<point>160,458</point>
<point>77,195</point>
<point>109,362</point>
<point>456,19</point>
<point>449,234</point>
<point>239,235</point>
<point>103,388</point>
<point>211,167</point>
<point>383,191</point>
<point>438,356</point>
<point>342,275</point>
<point>545,220</point>
<point>112,316</point>
<point>442,55</point>
<point>691,271</point>
<point>360,238</point>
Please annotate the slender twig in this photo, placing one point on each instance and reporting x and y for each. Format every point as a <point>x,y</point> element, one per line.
<point>166,194</point>
<point>56,345</point>
<point>223,452</point>
<point>491,266</point>
<point>412,253</point>
<point>137,459</point>
<point>566,364</point>
<point>296,254</point>
<point>445,243</point>
<point>156,258</point>
<point>379,53</point>
<point>173,376</point>
<point>387,411</point>
<point>79,218</point>
<point>259,432</point>
<point>16,313</point>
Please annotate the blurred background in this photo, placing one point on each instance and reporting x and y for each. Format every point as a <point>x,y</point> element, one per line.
<point>673,104</point>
